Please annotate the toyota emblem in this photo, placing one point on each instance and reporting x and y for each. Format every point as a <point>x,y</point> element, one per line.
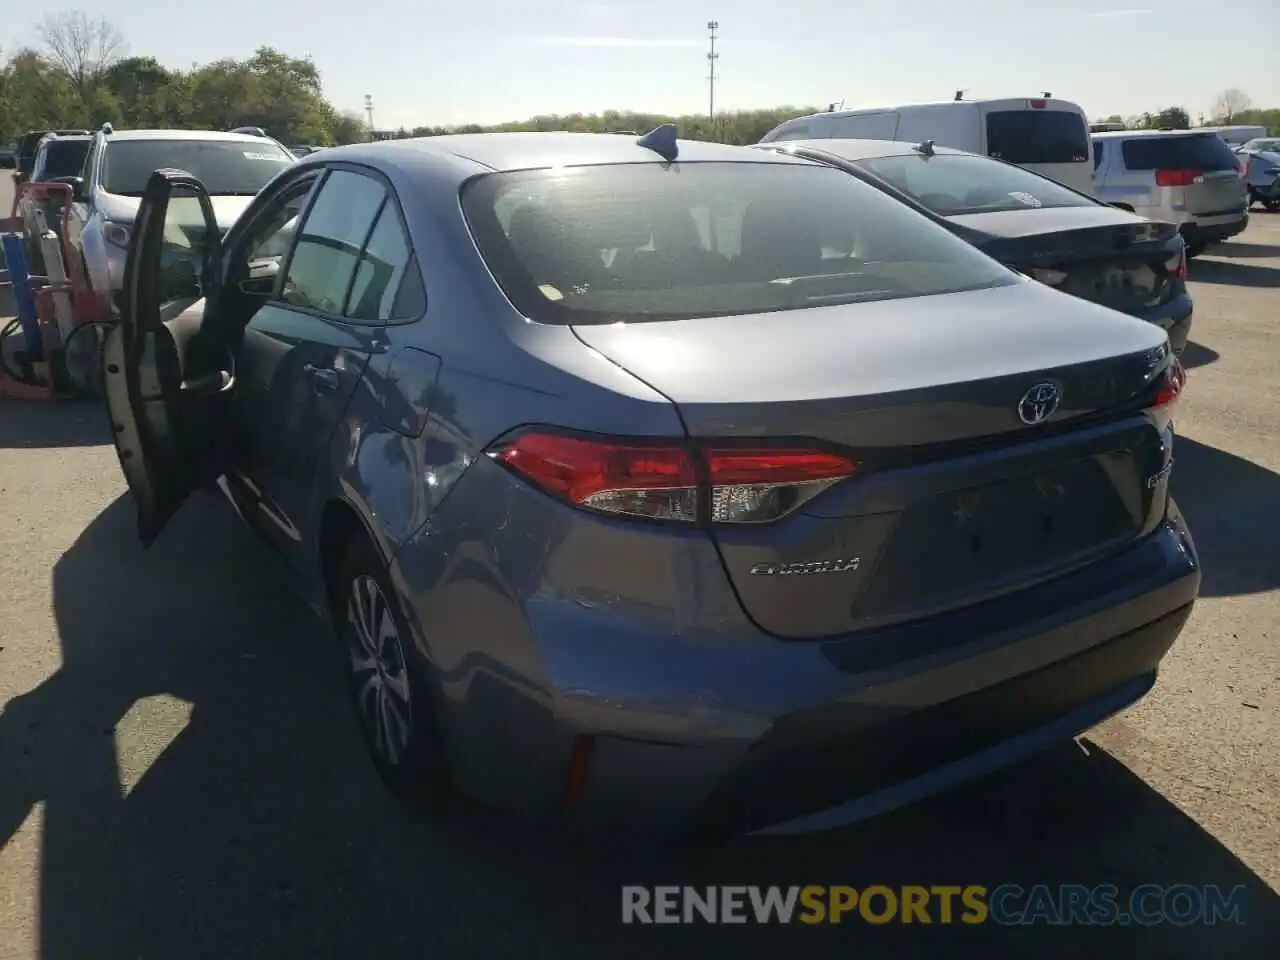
<point>1039,403</point>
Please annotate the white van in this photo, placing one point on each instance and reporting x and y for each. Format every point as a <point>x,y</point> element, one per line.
<point>1049,137</point>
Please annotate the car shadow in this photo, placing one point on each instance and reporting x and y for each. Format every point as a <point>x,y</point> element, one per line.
<point>64,423</point>
<point>205,794</point>
<point>1198,355</point>
<point>1232,506</point>
<point>1233,274</point>
<point>1236,248</point>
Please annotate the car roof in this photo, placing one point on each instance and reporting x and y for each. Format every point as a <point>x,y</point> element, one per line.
<point>1126,134</point>
<point>531,151</point>
<point>859,149</point>
<point>205,135</point>
<point>65,138</point>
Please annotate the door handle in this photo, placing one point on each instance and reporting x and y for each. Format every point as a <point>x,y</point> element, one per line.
<point>322,378</point>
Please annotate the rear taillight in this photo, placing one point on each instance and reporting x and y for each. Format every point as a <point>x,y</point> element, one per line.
<point>1244,169</point>
<point>1038,104</point>
<point>1175,379</point>
<point>1177,264</point>
<point>1178,178</point>
<point>672,481</point>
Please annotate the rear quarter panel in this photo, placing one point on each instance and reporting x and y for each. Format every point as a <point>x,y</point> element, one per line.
<point>494,371</point>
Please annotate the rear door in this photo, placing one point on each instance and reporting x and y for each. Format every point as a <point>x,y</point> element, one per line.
<point>168,383</point>
<point>1201,163</point>
<point>305,350</point>
<point>1049,137</point>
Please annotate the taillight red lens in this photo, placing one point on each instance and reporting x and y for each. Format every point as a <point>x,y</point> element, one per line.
<point>666,481</point>
<point>1039,104</point>
<point>1175,379</point>
<point>639,479</point>
<point>1177,178</point>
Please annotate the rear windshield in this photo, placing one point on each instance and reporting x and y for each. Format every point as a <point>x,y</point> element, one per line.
<point>628,242</point>
<point>1037,136</point>
<point>225,167</point>
<point>1201,151</point>
<point>955,184</point>
<point>64,159</point>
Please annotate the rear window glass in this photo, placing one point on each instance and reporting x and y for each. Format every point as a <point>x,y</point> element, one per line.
<point>64,159</point>
<point>225,167</point>
<point>630,242</point>
<point>952,184</point>
<point>1203,151</point>
<point>1037,136</point>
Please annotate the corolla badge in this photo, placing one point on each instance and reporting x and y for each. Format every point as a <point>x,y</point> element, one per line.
<point>1039,403</point>
<point>805,568</point>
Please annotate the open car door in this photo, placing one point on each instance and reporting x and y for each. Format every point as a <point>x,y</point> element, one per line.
<point>167,380</point>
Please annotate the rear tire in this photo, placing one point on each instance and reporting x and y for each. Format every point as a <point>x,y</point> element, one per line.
<point>389,682</point>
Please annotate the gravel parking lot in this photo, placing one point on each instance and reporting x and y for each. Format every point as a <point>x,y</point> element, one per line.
<point>179,775</point>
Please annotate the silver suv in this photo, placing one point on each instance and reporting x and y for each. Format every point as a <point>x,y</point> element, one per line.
<point>1182,176</point>
<point>233,166</point>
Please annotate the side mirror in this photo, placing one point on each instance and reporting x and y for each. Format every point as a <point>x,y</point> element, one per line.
<point>75,183</point>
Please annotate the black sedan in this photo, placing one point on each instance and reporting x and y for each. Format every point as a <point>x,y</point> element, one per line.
<point>1037,226</point>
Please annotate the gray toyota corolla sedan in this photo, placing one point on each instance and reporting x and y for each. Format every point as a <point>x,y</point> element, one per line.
<point>662,484</point>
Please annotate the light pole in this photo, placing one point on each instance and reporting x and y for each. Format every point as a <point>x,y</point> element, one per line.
<point>712,57</point>
<point>368,109</point>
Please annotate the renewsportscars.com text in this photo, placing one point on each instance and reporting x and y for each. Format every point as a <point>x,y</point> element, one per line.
<point>1006,905</point>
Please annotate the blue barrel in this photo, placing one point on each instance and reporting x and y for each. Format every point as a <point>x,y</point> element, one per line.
<point>15,255</point>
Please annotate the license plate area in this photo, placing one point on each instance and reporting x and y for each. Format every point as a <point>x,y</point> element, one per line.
<point>1014,528</point>
<point>1121,285</point>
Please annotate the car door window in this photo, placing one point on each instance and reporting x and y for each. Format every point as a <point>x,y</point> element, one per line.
<point>381,268</point>
<point>256,263</point>
<point>1097,155</point>
<point>325,258</point>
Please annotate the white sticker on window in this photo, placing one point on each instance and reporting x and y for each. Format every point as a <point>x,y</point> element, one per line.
<point>266,156</point>
<point>1027,198</point>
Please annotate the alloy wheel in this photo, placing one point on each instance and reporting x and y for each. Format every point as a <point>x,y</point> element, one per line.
<point>378,669</point>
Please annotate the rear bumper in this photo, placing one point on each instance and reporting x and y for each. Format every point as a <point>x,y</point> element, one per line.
<point>739,732</point>
<point>1214,230</point>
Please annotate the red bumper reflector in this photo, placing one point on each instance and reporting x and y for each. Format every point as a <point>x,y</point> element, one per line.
<point>584,748</point>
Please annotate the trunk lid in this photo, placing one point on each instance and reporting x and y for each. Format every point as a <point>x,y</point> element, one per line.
<point>956,498</point>
<point>1101,254</point>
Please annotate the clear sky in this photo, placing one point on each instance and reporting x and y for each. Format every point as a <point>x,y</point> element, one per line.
<point>486,61</point>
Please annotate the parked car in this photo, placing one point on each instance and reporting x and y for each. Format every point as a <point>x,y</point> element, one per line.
<point>1261,167</point>
<point>233,166</point>
<point>25,150</point>
<point>663,483</point>
<point>1186,177</point>
<point>56,156</point>
<point>1047,136</point>
<point>1037,226</point>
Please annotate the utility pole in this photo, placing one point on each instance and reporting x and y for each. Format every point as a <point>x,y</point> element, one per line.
<point>712,57</point>
<point>368,109</point>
